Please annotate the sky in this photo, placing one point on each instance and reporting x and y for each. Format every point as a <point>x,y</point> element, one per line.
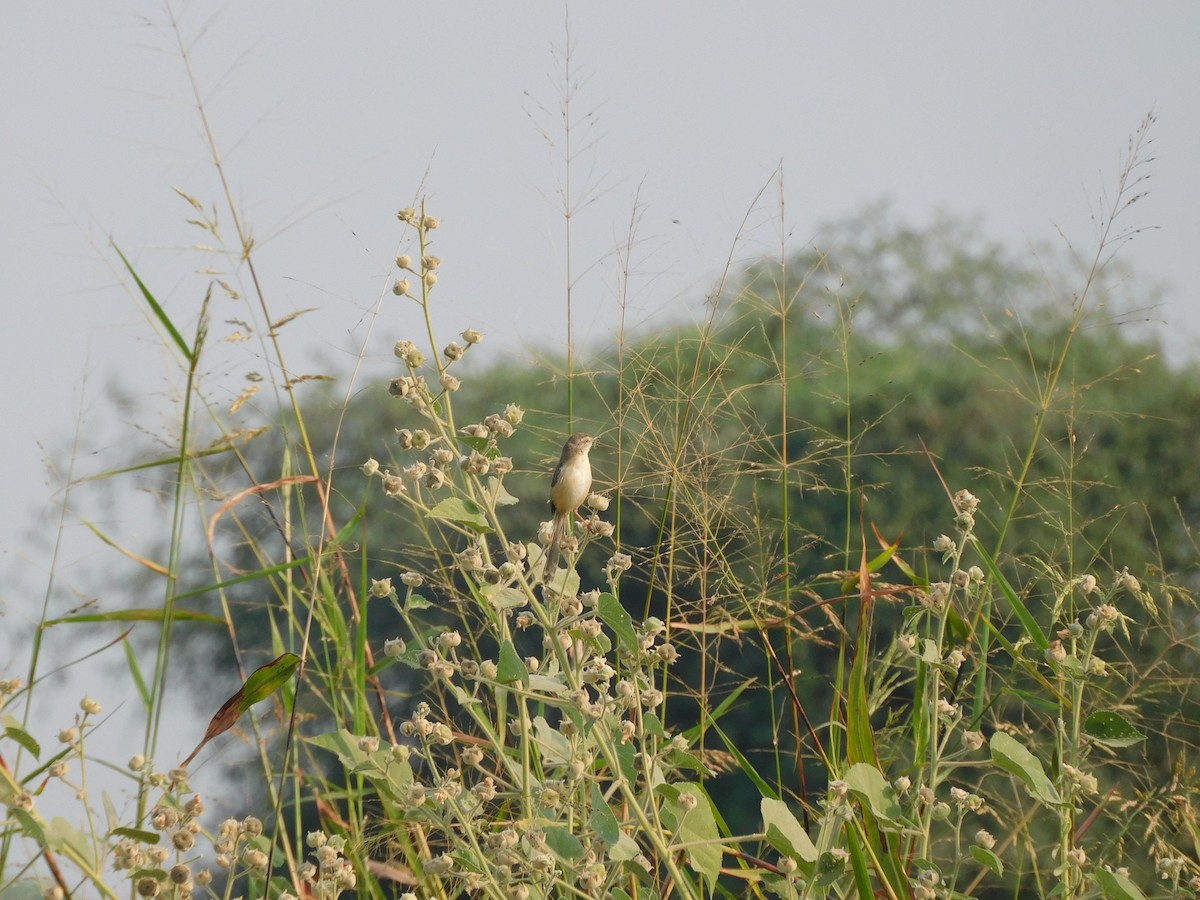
<point>330,117</point>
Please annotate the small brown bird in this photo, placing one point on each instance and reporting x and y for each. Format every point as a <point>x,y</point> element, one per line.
<point>568,489</point>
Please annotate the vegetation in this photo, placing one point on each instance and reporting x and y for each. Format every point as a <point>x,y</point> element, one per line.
<point>881,593</point>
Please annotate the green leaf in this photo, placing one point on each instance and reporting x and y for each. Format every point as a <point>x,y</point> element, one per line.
<point>613,614</point>
<point>19,735</point>
<point>262,683</point>
<point>1112,729</point>
<point>868,784</point>
<point>137,834</point>
<point>986,857</point>
<point>136,615</point>
<point>505,597</point>
<point>563,843</point>
<point>30,826</point>
<point>511,667</point>
<point>68,840</point>
<point>499,495</point>
<point>1115,886</point>
<point>554,746</point>
<point>464,512</point>
<point>785,833</point>
<point>1028,622</point>
<point>603,822</point>
<point>696,828</point>
<point>1009,754</point>
<point>159,312</point>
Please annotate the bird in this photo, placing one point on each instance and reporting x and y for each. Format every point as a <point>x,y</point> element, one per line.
<point>569,487</point>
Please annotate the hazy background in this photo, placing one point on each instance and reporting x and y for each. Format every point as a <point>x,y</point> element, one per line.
<point>331,118</point>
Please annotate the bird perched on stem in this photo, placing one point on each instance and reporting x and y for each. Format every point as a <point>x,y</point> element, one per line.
<point>568,489</point>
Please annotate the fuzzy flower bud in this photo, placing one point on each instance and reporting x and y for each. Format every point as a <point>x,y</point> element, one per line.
<point>471,336</point>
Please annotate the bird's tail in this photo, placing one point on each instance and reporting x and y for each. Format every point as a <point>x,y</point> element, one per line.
<point>556,538</point>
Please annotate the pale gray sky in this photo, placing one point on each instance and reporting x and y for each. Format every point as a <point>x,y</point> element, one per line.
<point>330,116</point>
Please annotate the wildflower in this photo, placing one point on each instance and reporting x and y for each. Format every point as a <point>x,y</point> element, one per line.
<point>449,382</point>
<point>408,215</point>
<point>1056,652</point>
<point>89,706</point>
<point>972,740</point>
<point>393,485</point>
<point>960,579</point>
<point>435,479</point>
<point>183,840</point>
<point>1087,584</point>
<point>1076,856</point>
<point>976,574</point>
<point>1128,582</point>
<point>429,261</point>
<point>838,789</point>
<point>9,686</point>
<point>404,262</point>
<point>598,502</point>
<point>147,886</point>
<point>393,648</point>
<point>401,287</point>
<point>599,528</point>
<point>514,414</point>
<point>498,426</point>
<point>485,790</point>
<point>943,543</point>
<point>965,501</point>
<point>137,762</point>
<point>415,472</point>
<point>956,658</point>
<point>412,579</point>
<point>477,463</point>
<point>453,351</point>
<point>252,825</point>
<point>984,839</point>
<point>906,642</point>
<point>502,465</point>
<point>381,587</point>
<point>69,735</point>
<point>368,743</point>
<point>470,560</point>
<point>180,874</point>
<point>620,562</point>
<point>902,784</point>
<point>946,708</point>
<point>471,336</point>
